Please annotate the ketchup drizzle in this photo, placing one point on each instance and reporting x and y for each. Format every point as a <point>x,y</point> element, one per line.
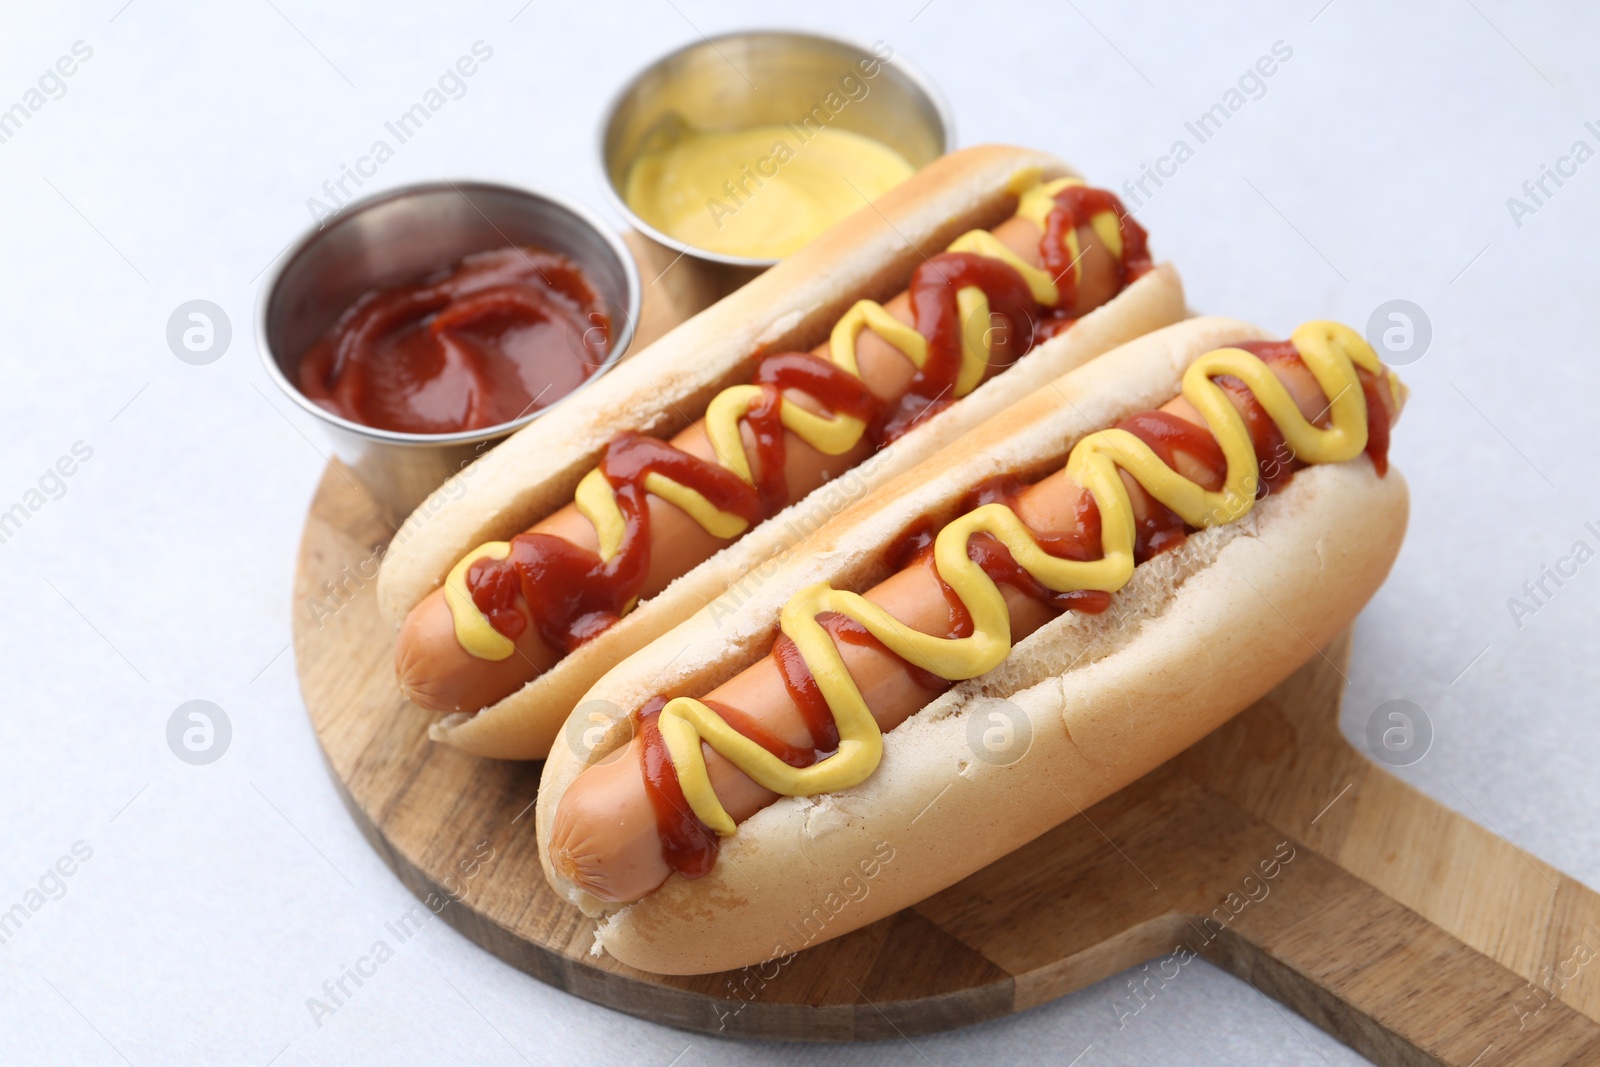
<point>573,596</point>
<point>1160,528</point>
<point>1075,206</point>
<point>806,694</point>
<point>688,845</point>
<point>933,289</point>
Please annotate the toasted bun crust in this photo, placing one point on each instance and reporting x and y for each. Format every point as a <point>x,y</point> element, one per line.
<point>663,388</point>
<point>1194,638</point>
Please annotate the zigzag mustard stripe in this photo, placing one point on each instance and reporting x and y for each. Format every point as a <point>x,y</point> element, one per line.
<point>1331,351</point>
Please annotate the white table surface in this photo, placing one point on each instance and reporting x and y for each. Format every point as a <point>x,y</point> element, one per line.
<point>177,163</point>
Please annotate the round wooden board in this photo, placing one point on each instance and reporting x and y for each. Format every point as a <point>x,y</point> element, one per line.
<point>1129,881</point>
<point>1362,933</point>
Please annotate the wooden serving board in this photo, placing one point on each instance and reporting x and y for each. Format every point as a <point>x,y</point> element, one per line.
<point>1402,928</point>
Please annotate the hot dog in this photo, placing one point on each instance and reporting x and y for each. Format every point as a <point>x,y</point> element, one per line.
<point>1121,563</point>
<point>797,392</point>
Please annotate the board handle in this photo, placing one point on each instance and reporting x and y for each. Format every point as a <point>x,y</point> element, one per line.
<point>1433,932</point>
<point>1386,981</point>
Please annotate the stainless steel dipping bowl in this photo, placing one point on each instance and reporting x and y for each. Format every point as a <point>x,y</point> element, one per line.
<point>757,77</point>
<point>401,236</point>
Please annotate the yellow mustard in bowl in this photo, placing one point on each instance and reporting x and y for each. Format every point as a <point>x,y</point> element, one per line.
<point>760,192</point>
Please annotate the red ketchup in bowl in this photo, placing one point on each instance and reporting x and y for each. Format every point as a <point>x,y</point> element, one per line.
<point>484,342</point>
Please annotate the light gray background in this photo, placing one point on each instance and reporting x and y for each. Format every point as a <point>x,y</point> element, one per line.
<point>178,164</point>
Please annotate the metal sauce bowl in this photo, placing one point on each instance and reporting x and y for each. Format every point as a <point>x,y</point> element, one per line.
<point>396,238</point>
<point>759,77</point>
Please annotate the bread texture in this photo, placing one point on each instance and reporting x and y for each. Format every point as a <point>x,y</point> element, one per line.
<point>1195,637</point>
<point>668,385</point>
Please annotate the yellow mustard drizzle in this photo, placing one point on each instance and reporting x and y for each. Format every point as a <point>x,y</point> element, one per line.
<point>1331,352</point>
<point>596,499</point>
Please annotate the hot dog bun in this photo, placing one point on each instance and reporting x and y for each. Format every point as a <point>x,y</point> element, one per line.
<point>668,385</point>
<point>1195,637</point>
